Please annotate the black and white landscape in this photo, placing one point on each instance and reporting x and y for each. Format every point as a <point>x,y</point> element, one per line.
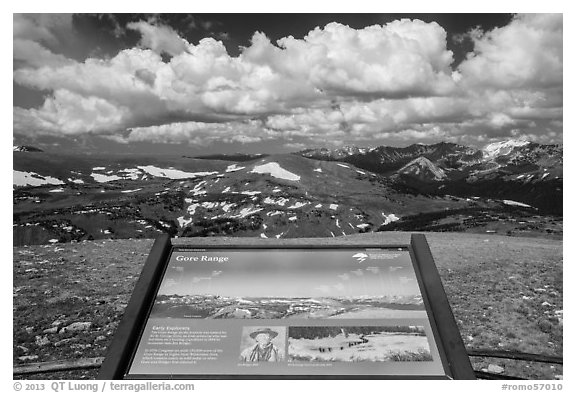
<point>209,125</point>
<point>128,126</point>
<point>511,188</point>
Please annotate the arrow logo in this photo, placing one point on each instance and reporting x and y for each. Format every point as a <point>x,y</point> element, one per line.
<point>361,257</point>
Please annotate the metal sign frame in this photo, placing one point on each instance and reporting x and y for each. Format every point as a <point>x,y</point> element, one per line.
<point>454,357</point>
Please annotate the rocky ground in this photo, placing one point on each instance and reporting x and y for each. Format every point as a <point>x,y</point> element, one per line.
<point>506,294</point>
<point>69,298</point>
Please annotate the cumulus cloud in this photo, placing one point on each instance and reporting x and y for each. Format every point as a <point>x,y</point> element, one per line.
<point>35,55</point>
<point>34,34</point>
<point>40,27</point>
<point>526,53</point>
<point>383,83</point>
<point>399,59</point>
<point>70,113</point>
<point>159,38</point>
<point>201,133</point>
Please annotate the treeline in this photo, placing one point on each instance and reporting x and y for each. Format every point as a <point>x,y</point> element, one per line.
<point>315,332</point>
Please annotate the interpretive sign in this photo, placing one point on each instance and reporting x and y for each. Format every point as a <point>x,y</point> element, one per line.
<point>290,311</point>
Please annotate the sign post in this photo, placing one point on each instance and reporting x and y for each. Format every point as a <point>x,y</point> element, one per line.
<point>288,309</point>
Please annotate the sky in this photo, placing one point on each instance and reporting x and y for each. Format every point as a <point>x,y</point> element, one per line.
<point>291,273</point>
<point>275,83</point>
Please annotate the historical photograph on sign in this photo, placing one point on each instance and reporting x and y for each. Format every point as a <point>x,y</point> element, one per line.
<point>358,344</point>
<point>257,284</point>
<point>263,344</point>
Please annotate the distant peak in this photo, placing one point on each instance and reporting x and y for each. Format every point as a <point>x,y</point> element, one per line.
<point>502,148</point>
<point>419,166</point>
<point>27,149</point>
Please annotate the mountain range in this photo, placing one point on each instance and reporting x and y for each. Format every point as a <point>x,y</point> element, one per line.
<point>512,187</point>
<point>514,169</point>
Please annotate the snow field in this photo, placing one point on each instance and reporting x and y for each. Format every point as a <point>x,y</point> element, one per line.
<point>275,170</point>
<point>380,347</point>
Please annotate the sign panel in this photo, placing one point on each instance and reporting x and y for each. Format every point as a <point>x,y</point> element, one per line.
<point>349,311</point>
<point>281,310</point>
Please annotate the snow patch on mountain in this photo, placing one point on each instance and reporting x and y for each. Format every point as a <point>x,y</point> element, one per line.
<point>234,168</point>
<point>278,201</point>
<point>514,203</point>
<point>183,222</point>
<point>246,212</point>
<point>26,149</point>
<point>275,170</point>
<point>501,148</point>
<point>389,218</point>
<point>100,178</point>
<point>131,173</point>
<point>227,206</point>
<point>21,179</point>
<point>171,173</point>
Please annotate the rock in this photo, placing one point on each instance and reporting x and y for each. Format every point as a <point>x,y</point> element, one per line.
<point>57,322</point>
<point>29,329</point>
<point>42,341</point>
<point>22,348</point>
<point>493,368</point>
<point>65,341</point>
<point>76,327</point>
<point>100,338</point>
<point>560,315</point>
<point>51,330</point>
<point>28,358</point>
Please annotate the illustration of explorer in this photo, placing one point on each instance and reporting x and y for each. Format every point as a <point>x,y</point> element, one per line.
<point>264,350</point>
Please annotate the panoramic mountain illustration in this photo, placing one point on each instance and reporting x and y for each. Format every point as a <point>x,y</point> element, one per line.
<point>512,187</point>
<point>222,307</point>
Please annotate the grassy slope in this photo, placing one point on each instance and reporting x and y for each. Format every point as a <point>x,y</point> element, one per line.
<point>496,286</point>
